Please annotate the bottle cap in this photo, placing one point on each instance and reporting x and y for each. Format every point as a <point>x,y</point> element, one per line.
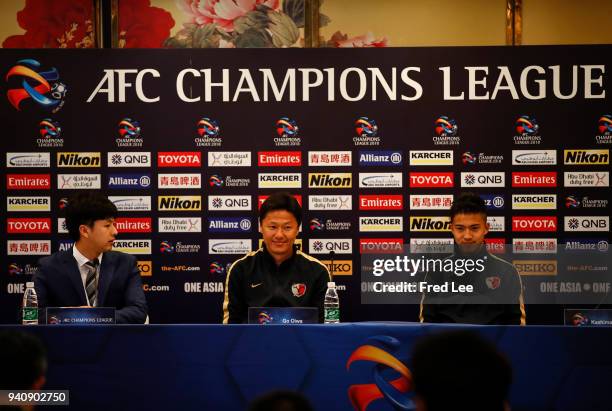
<point>331,284</point>
<point>30,284</point>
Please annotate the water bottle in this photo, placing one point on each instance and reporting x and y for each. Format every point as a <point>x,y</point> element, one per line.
<point>331,305</point>
<point>30,305</point>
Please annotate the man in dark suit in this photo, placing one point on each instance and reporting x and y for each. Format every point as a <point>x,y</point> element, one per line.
<point>90,274</point>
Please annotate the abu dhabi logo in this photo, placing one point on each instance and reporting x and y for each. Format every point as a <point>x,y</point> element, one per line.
<point>287,130</point>
<point>208,132</point>
<point>446,130</point>
<point>381,350</point>
<point>41,87</point>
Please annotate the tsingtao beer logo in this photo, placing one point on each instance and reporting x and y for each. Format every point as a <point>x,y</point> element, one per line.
<point>446,130</point>
<point>367,132</point>
<point>50,134</point>
<point>527,130</point>
<point>208,133</point>
<point>43,88</point>
<point>129,133</point>
<point>287,131</point>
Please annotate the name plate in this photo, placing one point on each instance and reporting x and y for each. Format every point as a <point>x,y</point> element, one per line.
<point>80,316</point>
<point>283,315</point>
<point>588,317</point>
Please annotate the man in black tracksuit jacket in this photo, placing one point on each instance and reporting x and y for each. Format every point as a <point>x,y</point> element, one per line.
<point>498,295</point>
<point>277,274</point>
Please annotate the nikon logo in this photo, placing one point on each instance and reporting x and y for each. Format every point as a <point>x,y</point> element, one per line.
<point>586,157</point>
<point>330,180</point>
<point>78,159</point>
<point>429,224</point>
<point>179,203</point>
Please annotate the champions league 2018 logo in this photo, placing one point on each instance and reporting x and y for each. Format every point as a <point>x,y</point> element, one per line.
<point>446,132</point>
<point>604,130</point>
<point>527,131</point>
<point>398,393</point>
<point>367,132</point>
<point>287,130</point>
<point>129,133</point>
<point>50,134</point>
<point>208,132</point>
<point>41,87</point>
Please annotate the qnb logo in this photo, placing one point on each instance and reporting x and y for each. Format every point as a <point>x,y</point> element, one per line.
<point>604,125</point>
<point>445,126</point>
<point>366,127</point>
<point>42,87</point>
<point>380,352</point>
<point>526,126</point>
<point>285,127</point>
<point>49,128</point>
<point>208,127</point>
<point>129,128</point>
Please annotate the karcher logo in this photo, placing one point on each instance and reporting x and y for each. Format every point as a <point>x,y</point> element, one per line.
<point>28,204</point>
<point>78,159</point>
<point>381,224</point>
<point>534,202</point>
<point>429,224</point>
<point>586,157</point>
<point>133,246</point>
<point>330,180</point>
<point>179,203</point>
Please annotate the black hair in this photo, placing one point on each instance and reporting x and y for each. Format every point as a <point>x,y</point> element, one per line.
<point>468,203</point>
<point>281,201</point>
<point>86,208</point>
<point>23,358</point>
<point>460,370</point>
<point>281,401</point>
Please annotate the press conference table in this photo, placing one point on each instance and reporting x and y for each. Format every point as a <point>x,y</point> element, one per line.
<point>221,367</point>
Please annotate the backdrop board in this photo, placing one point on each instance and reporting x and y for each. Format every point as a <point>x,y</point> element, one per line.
<point>374,142</point>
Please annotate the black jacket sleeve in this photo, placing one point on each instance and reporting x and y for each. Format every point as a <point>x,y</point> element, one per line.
<point>235,309</point>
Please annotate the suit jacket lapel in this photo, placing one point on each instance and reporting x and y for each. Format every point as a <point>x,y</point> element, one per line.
<point>72,269</point>
<point>107,270</point>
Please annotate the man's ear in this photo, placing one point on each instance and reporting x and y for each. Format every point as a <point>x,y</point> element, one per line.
<point>83,231</point>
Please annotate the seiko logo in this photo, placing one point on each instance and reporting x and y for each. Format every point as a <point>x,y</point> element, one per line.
<point>324,246</point>
<point>380,180</point>
<point>78,159</point>
<point>277,180</point>
<point>431,180</point>
<point>544,223</point>
<point>587,223</point>
<point>587,179</point>
<point>536,267</point>
<point>339,267</point>
<point>330,180</point>
<point>229,203</point>
<point>534,201</point>
<point>483,179</point>
<point>28,181</point>
<point>534,179</point>
<point>381,202</point>
<point>179,203</point>
<point>431,158</point>
<point>29,160</point>
<point>430,202</point>
<point>279,158</point>
<point>329,158</point>
<point>586,157</point>
<point>534,157</point>
<point>429,223</point>
<point>129,159</point>
<point>28,225</point>
<point>140,181</point>
<point>381,245</point>
<point>380,158</point>
<point>327,202</point>
<point>179,159</point>
<point>381,224</point>
<point>28,204</point>
<point>229,159</point>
